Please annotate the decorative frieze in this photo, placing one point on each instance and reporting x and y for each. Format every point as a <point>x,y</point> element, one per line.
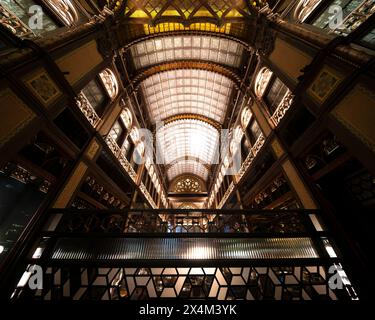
<point>23,175</point>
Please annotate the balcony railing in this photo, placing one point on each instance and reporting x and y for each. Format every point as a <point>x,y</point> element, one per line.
<point>142,187</point>
<point>226,195</point>
<point>116,150</point>
<point>10,21</point>
<point>251,156</point>
<point>282,108</point>
<point>87,109</point>
<point>185,221</point>
<point>198,254</point>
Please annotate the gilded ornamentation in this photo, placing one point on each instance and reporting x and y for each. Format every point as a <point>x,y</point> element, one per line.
<point>187,184</point>
<point>193,10</point>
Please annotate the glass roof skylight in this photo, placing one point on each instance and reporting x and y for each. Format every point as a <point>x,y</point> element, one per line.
<point>187,138</point>
<point>187,91</point>
<point>190,92</point>
<point>207,48</point>
<point>187,167</point>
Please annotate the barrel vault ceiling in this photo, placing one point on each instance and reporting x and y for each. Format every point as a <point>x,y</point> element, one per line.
<point>186,64</point>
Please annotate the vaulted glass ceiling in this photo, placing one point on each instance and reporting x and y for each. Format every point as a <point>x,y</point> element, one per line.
<point>187,166</point>
<point>172,48</point>
<point>187,96</point>
<point>187,137</point>
<point>187,91</point>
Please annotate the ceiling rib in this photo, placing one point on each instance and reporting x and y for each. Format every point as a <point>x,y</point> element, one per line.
<point>189,64</point>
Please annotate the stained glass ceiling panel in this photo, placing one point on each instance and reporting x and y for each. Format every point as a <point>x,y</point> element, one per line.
<point>187,9</point>
<point>164,49</point>
<point>187,91</point>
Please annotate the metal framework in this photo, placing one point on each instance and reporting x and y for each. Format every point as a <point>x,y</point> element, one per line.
<point>204,254</point>
<point>153,12</point>
<point>190,70</point>
<point>225,71</point>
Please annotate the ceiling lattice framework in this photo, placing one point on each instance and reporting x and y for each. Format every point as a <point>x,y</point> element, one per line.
<point>187,166</point>
<point>187,91</point>
<point>217,11</point>
<point>186,58</point>
<point>230,73</point>
<point>134,31</point>
<point>187,137</point>
<point>172,48</point>
<point>152,17</point>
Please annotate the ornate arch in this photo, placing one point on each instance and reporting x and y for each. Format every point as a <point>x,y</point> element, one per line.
<point>187,184</point>
<point>193,116</point>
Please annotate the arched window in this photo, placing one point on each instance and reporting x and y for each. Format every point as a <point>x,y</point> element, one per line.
<point>127,117</point>
<point>250,125</point>
<point>110,82</point>
<point>261,82</point>
<point>134,134</point>
<point>117,133</point>
<point>65,10</point>
<point>304,8</point>
<point>96,95</point>
<point>245,117</point>
<point>274,93</point>
<point>238,133</point>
